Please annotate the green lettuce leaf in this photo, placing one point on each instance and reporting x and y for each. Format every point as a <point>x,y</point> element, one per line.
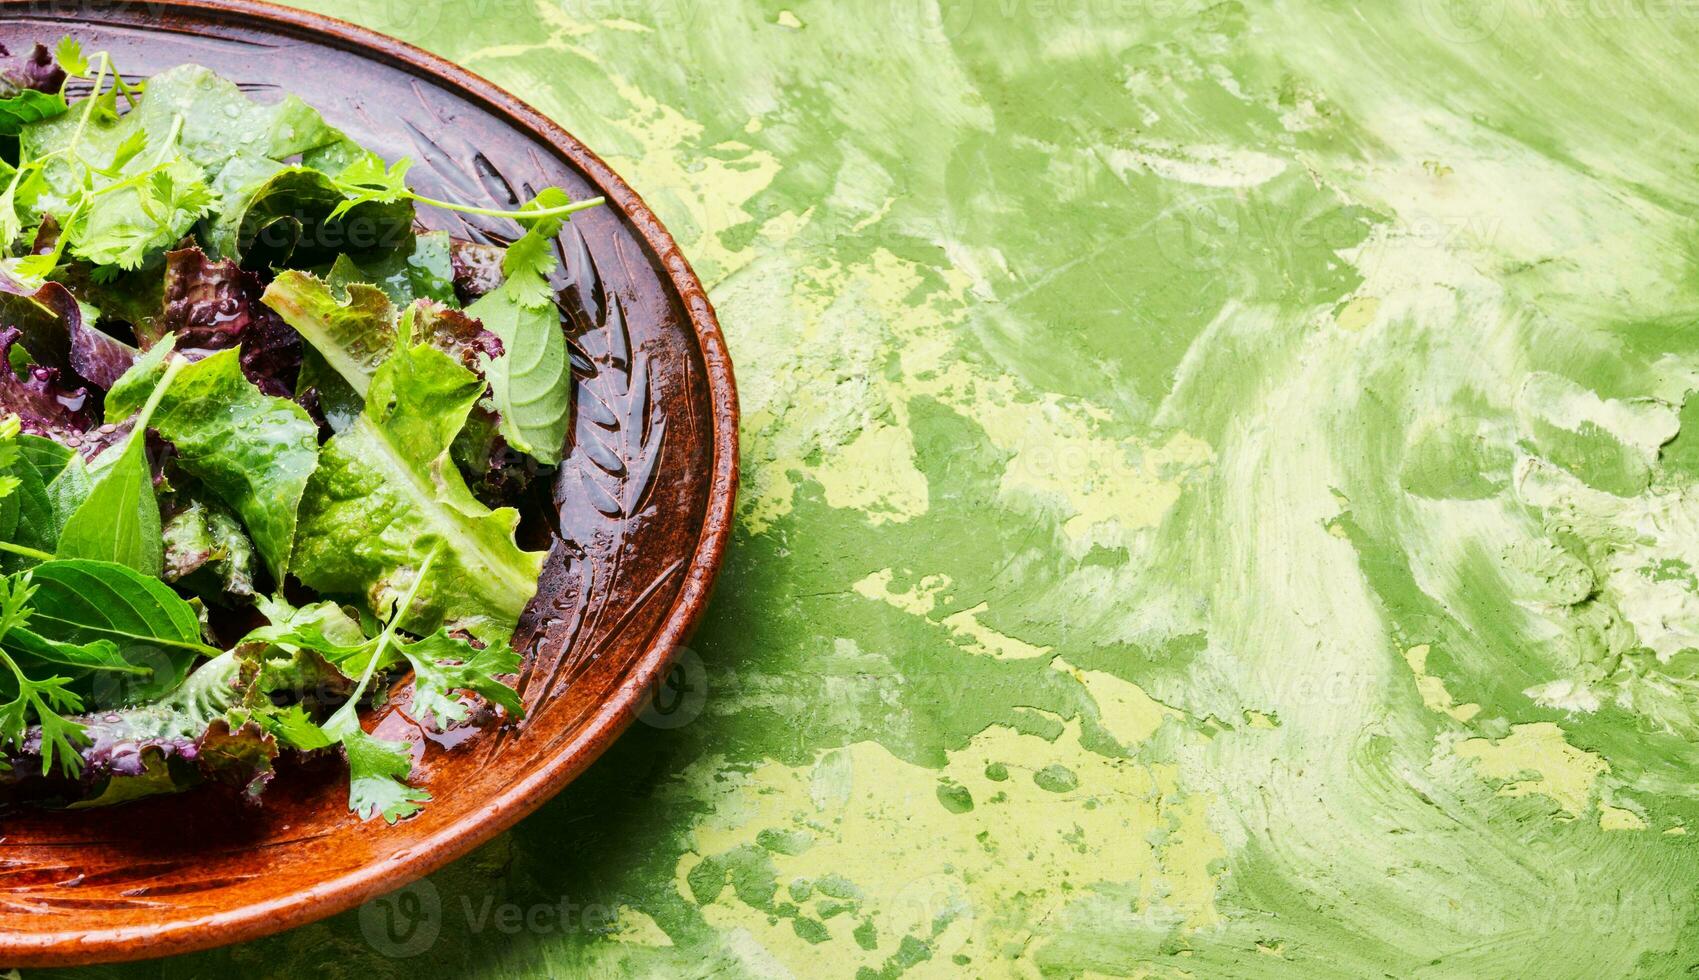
<point>424,271</point>
<point>351,330</point>
<point>386,494</point>
<point>251,450</point>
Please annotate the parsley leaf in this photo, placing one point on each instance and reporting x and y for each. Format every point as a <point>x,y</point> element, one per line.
<point>443,665</point>
<point>366,181</point>
<point>39,698</point>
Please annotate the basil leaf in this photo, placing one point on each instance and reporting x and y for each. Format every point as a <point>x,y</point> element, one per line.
<point>82,602</point>
<point>34,521</point>
<point>118,521</point>
<point>28,106</point>
<point>97,671</point>
<point>530,384</point>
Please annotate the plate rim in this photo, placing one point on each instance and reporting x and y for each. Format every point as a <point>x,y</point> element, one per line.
<point>616,713</point>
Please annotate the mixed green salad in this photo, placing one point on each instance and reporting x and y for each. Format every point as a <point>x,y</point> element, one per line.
<point>262,439</point>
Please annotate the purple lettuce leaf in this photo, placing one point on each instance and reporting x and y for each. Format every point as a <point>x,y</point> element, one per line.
<point>53,331</point>
<point>212,306</point>
<point>477,268</point>
<point>207,730</point>
<point>36,70</point>
<point>46,406</point>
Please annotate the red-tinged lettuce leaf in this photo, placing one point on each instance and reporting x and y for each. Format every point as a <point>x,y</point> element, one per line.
<point>54,332</point>
<point>241,757</point>
<point>30,89</point>
<point>220,725</point>
<point>477,269</point>
<point>351,329</point>
<point>46,406</point>
<point>214,306</point>
<point>36,71</point>
<point>352,326</point>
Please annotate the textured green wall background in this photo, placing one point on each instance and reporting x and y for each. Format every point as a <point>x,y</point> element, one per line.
<point>1215,497</point>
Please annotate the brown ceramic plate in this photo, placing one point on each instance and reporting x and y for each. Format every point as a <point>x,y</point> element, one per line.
<point>643,501</point>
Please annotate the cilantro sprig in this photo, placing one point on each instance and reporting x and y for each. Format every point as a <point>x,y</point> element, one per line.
<point>38,699</point>
<point>369,181</point>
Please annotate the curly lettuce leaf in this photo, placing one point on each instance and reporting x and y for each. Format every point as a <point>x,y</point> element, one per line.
<point>351,329</point>
<point>202,729</point>
<point>206,538</point>
<point>213,306</point>
<point>386,494</point>
<point>253,451</point>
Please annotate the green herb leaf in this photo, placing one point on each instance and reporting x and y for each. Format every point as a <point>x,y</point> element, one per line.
<point>425,271</point>
<point>443,665</point>
<point>377,777</point>
<point>118,520</point>
<point>69,54</point>
<point>41,698</point>
<point>386,494</point>
<point>530,384</point>
<point>367,180</point>
<point>293,727</point>
<point>27,106</point>
<point>378,770</point>
<point>84,602</point>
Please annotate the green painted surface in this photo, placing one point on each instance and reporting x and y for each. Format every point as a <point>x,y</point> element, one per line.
<point>1221,498</point>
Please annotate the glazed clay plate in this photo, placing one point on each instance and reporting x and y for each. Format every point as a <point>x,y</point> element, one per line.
<point>642,509</point>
